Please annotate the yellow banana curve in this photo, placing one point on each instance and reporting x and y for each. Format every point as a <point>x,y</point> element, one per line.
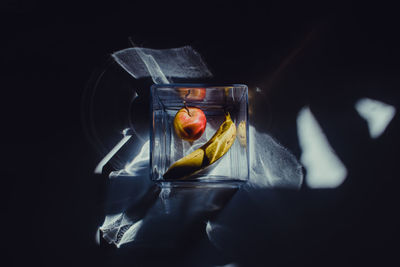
<point>207,154</point>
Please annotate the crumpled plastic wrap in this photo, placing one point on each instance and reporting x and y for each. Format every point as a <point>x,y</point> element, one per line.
<point>162,65</point>
<point>160,216</point>
<point>272,166</point>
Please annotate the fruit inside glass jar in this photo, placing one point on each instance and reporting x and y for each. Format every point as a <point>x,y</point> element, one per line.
<point>190,123</point>
<point>186,119</point>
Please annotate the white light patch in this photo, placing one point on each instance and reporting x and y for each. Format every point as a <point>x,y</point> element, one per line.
<point>99,167</point>
<point>324,168</point>
<point>377,114</point>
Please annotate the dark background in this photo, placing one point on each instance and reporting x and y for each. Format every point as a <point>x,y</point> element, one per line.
<point>323,55</point>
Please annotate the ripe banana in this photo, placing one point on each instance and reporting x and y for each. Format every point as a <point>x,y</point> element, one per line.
<point>206,155</point>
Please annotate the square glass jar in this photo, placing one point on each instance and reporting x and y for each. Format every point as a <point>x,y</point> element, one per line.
<point>167,147</point>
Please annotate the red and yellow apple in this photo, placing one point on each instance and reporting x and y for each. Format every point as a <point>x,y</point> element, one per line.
<point>190,123</point>
<point>192,94</point>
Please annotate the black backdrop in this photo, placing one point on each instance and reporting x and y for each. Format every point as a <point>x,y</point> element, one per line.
<point>335,54</point>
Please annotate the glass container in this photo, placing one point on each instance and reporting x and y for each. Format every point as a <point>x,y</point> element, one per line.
<point>167,146</point>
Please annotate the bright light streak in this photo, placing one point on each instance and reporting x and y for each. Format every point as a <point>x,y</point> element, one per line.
<point>210,230</point>
<point>97,236</point>
<point>120,229</point>
<point>130,234</point>
<point>140,161</point>
<point>377,114</point>
<point>99,167</point>
<point>324,168</point>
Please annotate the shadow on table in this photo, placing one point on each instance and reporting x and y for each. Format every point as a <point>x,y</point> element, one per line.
<point>143,220</point>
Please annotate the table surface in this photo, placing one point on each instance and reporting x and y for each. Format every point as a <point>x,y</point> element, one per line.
<point>324,57</point>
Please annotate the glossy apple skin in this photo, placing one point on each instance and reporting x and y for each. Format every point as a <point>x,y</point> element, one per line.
<point>192,94</point>
<point>190,125</point>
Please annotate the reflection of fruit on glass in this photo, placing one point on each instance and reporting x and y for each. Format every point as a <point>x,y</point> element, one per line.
<point>242,133</point>
<point>192,94</point>
<point>206,155</point>
<point>190,123</point>
<point>227,91</point>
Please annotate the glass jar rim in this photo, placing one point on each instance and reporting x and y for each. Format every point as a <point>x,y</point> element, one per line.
<point>197,85</point>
